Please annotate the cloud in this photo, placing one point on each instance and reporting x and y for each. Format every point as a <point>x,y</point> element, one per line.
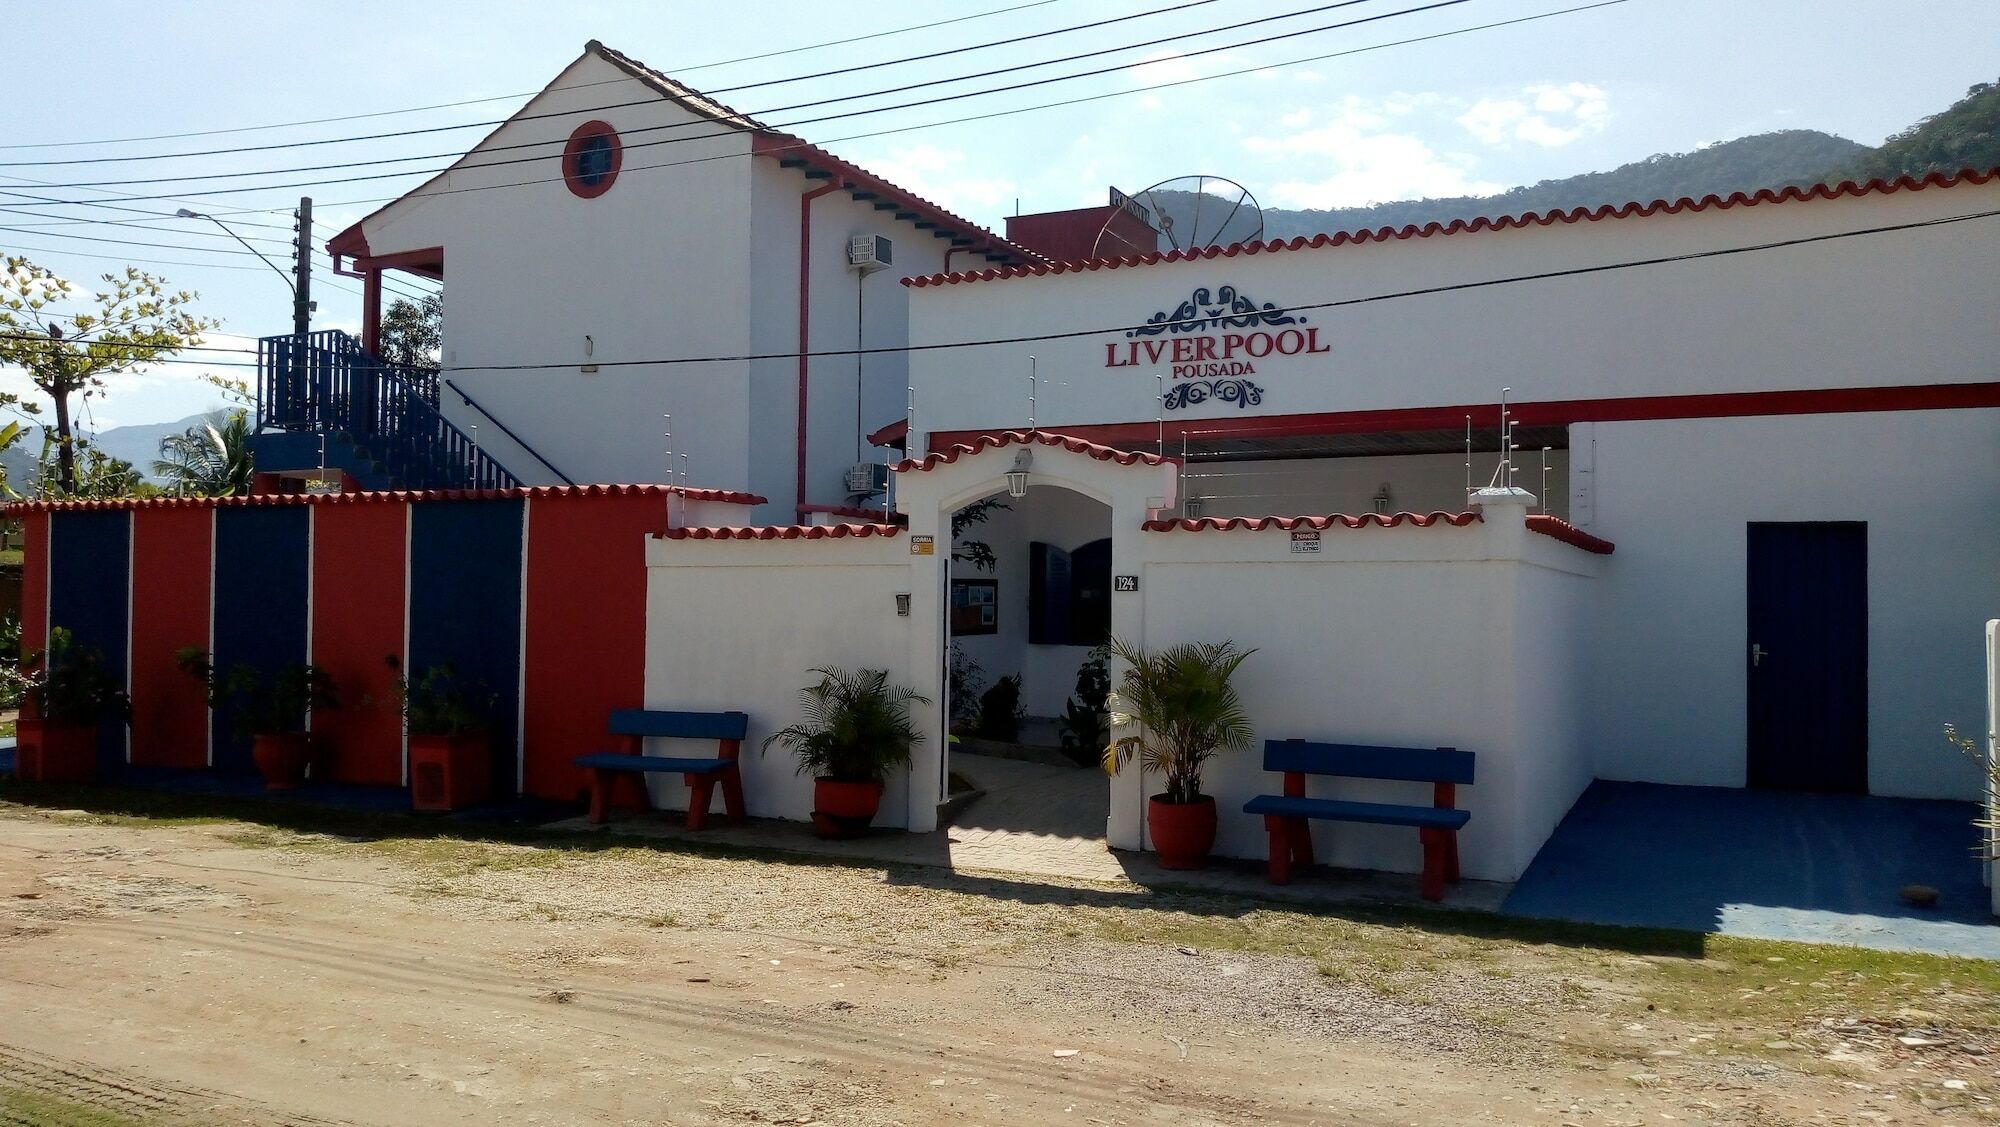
<point>1546,115</point>
<point>944,175</point>
<point>1371,157</point>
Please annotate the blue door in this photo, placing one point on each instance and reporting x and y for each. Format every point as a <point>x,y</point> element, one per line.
<point>1807,656</point>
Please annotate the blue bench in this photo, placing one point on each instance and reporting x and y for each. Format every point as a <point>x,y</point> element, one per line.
<point>1288,817</point>
<point>636,725</point>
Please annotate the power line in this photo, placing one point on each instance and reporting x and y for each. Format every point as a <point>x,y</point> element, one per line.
<point>1301,307</point>
<point>558,142</point>
<point>707,94</point>
<point>530,93</point>
<point>1435,5</point>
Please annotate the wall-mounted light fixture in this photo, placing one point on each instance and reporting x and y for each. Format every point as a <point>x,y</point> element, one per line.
<point>1017,478</point>
<point>589,350</point>
<point>1382,498</point>
<point>902,604</point>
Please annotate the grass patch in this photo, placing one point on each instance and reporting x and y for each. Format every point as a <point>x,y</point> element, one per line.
<point>18,1106</point>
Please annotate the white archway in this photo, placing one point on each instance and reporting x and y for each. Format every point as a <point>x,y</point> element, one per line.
<point>1134,486</point>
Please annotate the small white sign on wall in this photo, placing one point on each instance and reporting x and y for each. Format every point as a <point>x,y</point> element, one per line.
<point>1305,542</point>
<point>923,546</point>
<point>1124,583</point>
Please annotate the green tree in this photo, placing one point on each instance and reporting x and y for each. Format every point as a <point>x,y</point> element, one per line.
<point>133,320</point>
<point>98,476</point>
<point>1967,135</point>
<point>413,332</point>
<point>210,459</point>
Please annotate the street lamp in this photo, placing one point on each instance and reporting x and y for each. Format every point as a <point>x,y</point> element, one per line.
<point>301,312</point>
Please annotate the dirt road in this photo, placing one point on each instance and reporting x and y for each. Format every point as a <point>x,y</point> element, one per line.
<point>237,974</point>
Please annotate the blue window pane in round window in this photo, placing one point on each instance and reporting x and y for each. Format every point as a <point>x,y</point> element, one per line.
<point>593,160</point>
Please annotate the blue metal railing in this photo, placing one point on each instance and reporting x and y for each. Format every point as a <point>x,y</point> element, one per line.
<point>328,383</point>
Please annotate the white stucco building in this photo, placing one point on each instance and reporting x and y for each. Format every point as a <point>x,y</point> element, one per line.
<point>1783,412</point>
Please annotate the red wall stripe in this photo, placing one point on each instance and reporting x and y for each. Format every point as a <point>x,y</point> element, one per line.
<point>586,629</point>
<point>358,560</point>
<point>171,554</point>
<point>1637,408</point>
<point>34,582</point>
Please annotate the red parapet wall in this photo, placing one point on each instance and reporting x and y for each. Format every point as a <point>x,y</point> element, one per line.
<point>585,651</point>
<point>359,559</point>
<point>172,556</point>
<point>34,582</point>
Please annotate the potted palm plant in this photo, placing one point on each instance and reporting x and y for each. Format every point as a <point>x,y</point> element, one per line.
<point>856,730</point>
<point>1184,710</point>
<point>446,717</point>
<point>67,694</point>
<point>271,712</point>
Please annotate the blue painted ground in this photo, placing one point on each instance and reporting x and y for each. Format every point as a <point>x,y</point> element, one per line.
<point>1767,864</point>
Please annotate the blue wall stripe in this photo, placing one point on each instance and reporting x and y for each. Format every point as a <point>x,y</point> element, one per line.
<point>90,560</point>
<point>465,608</point>
<point>262,567</point>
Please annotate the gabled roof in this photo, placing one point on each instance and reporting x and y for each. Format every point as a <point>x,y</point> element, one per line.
<point>789,151</point>
<point>1844,189</point>
<point>1006,438</point>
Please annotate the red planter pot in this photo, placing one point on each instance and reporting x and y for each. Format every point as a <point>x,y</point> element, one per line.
<point>282,758</point>
<point>46,752</point>
<point>844,809</point>
<point>1183,832</point>
<point>450,772</point>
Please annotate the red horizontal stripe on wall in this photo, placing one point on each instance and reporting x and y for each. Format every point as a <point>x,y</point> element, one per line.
<point>586,629</point>
<point>1556,412</point>
<point>171,554</point>
<point>358,560</point>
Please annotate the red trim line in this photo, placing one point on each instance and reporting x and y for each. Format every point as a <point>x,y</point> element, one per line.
<point>786,532</point>
<point>981,443</point>
<point>1568,533</point>
<point>725,496</point>
<point>1554,412</point>
<point>1460,226</point>
<point>805,334</point>
<point>1259,524</point>
<point>427,261</point>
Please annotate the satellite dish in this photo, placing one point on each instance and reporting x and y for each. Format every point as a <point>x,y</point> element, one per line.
<point>1187,213</point>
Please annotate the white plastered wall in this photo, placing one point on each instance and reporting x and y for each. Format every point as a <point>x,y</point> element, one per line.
<point>737,624</point>
<point>1668,694</point>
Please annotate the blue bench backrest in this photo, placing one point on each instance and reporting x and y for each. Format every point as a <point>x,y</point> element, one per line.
<point>1364,761</point>
<point>679,725</point>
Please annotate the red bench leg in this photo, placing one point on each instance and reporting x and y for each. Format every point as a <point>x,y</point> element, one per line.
<point>1281,848</point>
<point>700,789</point>
<point>1434,863</point>
<point>600,795</point>
<point>1301,840</point>
<point>732,793</point>
<point>1451,856</point>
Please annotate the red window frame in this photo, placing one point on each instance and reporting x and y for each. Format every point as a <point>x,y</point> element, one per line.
<point>573,152</point>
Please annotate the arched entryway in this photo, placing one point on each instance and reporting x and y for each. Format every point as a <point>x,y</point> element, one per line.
<point>1085,505</point>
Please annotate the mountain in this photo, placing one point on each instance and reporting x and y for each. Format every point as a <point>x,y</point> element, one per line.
<point>138,444</point>
<point>1967,135</point>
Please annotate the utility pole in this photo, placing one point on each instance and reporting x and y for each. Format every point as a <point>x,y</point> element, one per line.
<point>302,302</point>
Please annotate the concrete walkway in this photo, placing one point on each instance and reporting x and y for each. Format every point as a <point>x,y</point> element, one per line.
<point>1036,820</point>
<point>1821,868</point>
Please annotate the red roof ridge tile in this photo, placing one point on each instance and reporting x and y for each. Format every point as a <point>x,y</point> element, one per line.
<point>1844,189</point>
<point>1549,524</point>
<point>687,96</point>
<point>782,532</point>
<point>1259,524</point>
<point>1074,445</point>
<point>724,496</point>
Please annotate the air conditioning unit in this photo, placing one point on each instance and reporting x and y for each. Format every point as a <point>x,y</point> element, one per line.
<point>866,478</point>
<point>868,253</point>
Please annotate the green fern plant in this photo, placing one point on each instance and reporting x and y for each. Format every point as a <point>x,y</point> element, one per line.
<point>856,727</point>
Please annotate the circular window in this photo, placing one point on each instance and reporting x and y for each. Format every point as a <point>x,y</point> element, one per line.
<point>591,159</point>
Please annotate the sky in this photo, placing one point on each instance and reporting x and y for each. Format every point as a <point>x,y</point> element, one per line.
<point>1324,116</point>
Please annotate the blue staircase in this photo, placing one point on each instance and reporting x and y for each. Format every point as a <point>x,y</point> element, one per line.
<point>380,420</point>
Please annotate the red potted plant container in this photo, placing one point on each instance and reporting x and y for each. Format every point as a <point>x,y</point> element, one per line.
<point>450,751</point>
<point>1184,710</point>
<point>66,696</point>
<point>857,729</point>
<point>272,713</point>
